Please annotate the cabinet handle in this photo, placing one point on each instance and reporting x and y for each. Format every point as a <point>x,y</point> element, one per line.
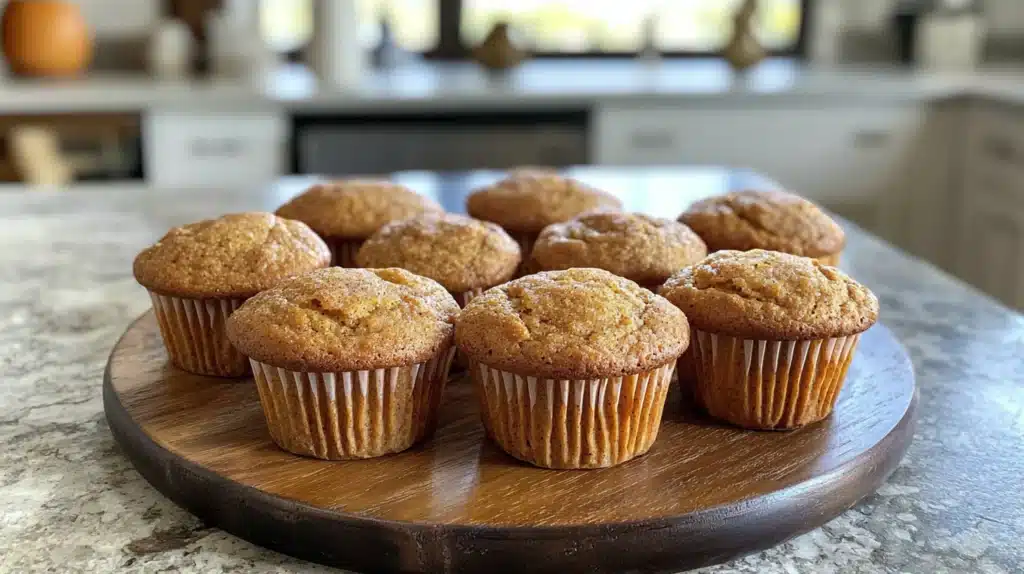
<point>652,139</point>
<point>216,147</point>
<point>871,139</point>
<point>1000,149</point>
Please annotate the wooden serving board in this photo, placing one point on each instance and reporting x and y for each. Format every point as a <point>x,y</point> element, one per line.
<point>705,493</point>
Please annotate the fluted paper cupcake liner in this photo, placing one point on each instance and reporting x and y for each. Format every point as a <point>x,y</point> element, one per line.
<point>353,414</point>
<point>770,385</point>
<point>588,423</point>
<point>465,297</point>
<point>526,241</point>
<point>193,333</point>
<point>343,250</point>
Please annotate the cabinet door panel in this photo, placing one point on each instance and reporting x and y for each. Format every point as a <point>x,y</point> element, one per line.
<point>992,255</point>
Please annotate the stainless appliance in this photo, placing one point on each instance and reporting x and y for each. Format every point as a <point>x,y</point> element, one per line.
<point>379,144</point>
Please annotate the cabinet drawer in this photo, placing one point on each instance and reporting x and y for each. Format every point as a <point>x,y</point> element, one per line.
<point>186,149</point>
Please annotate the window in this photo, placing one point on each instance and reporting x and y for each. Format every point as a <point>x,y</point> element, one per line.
<point>616,26</point>
<point>287,25</point>
<point>549,27</point>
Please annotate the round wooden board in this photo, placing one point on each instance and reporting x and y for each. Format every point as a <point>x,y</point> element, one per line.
<point>705,493</point>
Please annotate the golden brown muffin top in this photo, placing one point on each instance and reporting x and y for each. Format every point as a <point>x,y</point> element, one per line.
<point>339,319</point>
<point>574,324</point>
<point>355,208</point>
<point>458,252</point>
<point>770,295</point>
<point>774,220</point>
<point>528,200</point>
<point>236,255</point>
<point>639,247</point>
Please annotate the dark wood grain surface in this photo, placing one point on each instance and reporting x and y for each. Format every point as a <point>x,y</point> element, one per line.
<point>705,493</point>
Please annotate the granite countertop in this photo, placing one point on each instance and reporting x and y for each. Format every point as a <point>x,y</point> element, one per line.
<point>71,502</point>
<point>537,83</point>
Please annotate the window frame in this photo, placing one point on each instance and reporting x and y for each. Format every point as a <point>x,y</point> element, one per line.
<point>450,46</point>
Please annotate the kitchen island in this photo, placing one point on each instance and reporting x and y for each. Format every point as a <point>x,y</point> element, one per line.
<point>72,502</point>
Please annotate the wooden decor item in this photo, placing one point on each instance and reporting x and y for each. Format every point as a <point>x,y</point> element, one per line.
<point>498,52</point>
<point>705,493</point>
<point>743,50</point>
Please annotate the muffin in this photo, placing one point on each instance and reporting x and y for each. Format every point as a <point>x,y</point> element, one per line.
<point>464,255</point>
<point>641,248</point>
<point>346,212</point>
<point>774,334</point>
<point>349,363</point>
<point>199,273</point>
<point>572,367</point>
<point>772,220</point>
<point>528,200</point>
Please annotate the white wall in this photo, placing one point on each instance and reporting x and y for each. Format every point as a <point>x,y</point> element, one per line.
<point>118,18</point>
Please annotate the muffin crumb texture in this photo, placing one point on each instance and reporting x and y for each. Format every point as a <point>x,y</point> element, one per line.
<point>339,319</point>
<point>638,247</point>
<point>235,255</point>
<point>458,252</point>
<point>528,200</point>
<point>573,324</point>
<point>356,208</point>
<point>769,295</point>
<point>774,220</point>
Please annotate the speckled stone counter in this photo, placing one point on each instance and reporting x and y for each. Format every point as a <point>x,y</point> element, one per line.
<point>70,502</point>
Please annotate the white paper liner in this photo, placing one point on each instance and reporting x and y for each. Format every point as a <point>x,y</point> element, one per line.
<point>526,241</point>
<point>465,297</point>
<point>770,385</point>
<point>588,423</point>
<point>193,333</point>
<point>354,414</point>
<point>343,251</point>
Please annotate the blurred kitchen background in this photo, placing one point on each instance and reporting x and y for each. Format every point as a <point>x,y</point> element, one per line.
<point>904,117</point>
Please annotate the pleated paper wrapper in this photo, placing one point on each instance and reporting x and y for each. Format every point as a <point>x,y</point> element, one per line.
<point>465,297</point>
<point>353,414</point>
<point>526,241</point>
<point>770,385</point>
<point>588,423</point>
<point>343,250</point>
<point>193,333</point>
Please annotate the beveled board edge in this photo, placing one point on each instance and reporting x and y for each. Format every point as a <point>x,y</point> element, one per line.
<point>366,544</point>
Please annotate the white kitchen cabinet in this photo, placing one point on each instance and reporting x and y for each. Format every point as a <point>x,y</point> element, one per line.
<point>850,158</point>
<point>185,149</point>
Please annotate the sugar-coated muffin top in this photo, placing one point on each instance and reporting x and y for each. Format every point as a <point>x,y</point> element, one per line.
<point>458,252</point>
<point>771,295</point>
<point>339,319</point>
<point>355,208</point>
<point>578,323</point>
<point>528,200</point>
<point>638,247</point>
<point>774,220</point>
<point>235,255</point>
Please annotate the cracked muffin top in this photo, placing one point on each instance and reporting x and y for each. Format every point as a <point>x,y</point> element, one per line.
<point>458,252</point>
<point>770,295</point>
<point>528,200</point>
<point>355,208</point>
<point>774,220</point>
<point>235,255</point>
<point>339,319</point>
<point>639,247</point>
<point>574,324</point>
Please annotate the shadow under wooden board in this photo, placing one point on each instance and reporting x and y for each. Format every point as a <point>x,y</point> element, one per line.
<point>705,493</point>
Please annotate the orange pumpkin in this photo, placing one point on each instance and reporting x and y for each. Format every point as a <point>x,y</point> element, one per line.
<point>45,38</point>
